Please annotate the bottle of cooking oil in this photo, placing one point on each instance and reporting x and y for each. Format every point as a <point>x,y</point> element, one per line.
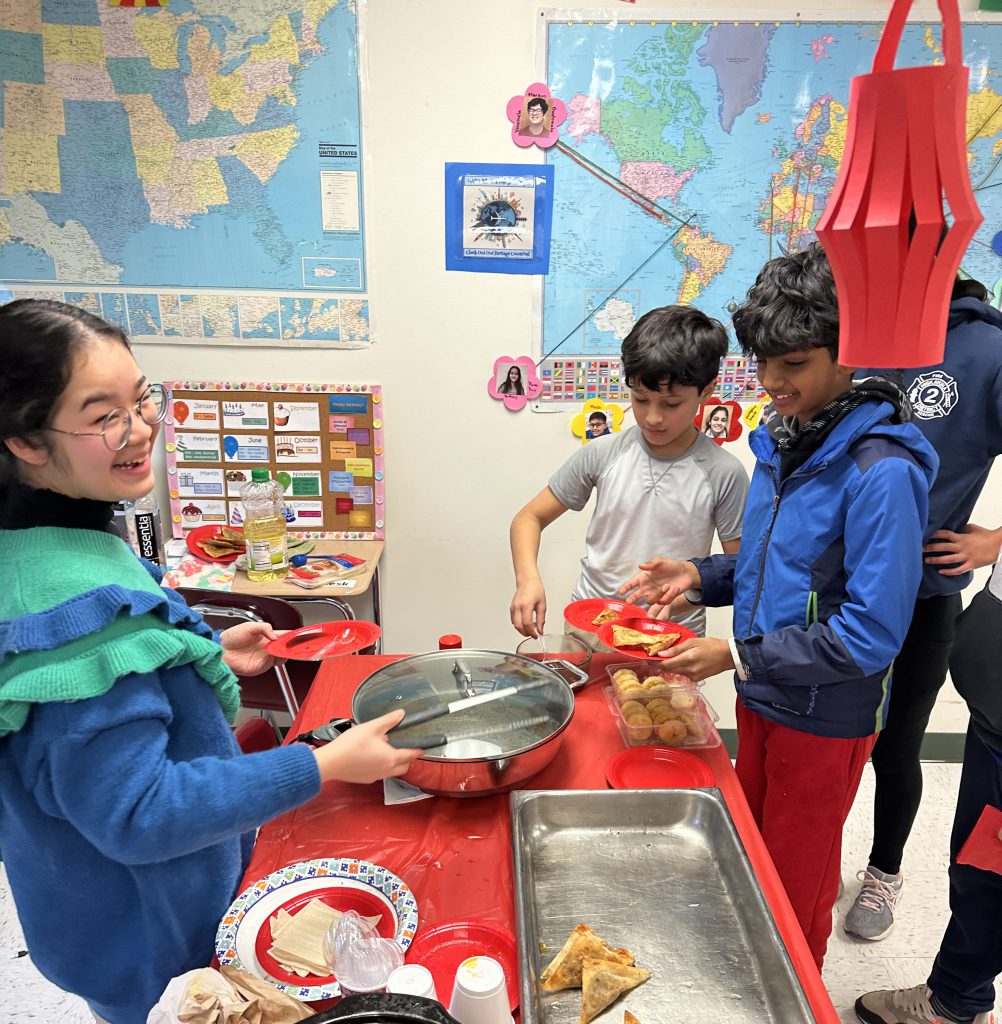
<point>264,528</point>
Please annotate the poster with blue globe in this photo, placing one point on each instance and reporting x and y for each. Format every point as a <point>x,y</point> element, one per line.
<point>498,217</point>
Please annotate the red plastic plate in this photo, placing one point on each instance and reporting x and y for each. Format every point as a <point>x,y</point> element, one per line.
<point>652,626</point>
<point>193,538</point>
<point>658,768</point>
<point>366,903</point>
<point>324,640</point>
<point>443,947</point>
<point>581,614</point>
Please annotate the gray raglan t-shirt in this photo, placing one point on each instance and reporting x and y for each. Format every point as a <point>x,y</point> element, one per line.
<point>647,506</point>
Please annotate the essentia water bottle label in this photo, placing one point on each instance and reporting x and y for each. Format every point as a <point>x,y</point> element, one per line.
<point>146,536</point>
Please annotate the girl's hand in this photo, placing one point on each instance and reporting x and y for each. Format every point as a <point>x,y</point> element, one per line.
<point>699,658</point>
<point>659,582</point>
<point>362,754</point>
<point>243,648</point>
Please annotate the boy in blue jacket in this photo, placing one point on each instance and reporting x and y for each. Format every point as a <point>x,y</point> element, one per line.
<point>824,584</point>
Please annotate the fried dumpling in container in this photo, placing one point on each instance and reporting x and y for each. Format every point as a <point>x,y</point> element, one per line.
<point>603,983</point>
<point>564,971</point>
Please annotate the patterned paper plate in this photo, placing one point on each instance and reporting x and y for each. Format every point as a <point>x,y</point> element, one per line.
<point>244,933</point>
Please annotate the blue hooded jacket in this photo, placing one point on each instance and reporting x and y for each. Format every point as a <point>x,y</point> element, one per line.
<point>830,563</point>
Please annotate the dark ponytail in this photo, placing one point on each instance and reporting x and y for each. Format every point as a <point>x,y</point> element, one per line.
<point>39,341</point>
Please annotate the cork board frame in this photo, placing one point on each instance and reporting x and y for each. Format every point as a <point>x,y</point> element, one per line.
<point>322,442</point>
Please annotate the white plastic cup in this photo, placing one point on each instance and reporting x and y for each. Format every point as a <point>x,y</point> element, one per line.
<point>412,980</point>
<point>479,993</point>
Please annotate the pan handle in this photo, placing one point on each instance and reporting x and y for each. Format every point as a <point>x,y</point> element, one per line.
<point>424,742</point>
<point>331,730</point>
<point>578,676</point>
<point>420,717</point>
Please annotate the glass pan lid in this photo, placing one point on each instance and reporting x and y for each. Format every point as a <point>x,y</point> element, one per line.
<point>539,704</point>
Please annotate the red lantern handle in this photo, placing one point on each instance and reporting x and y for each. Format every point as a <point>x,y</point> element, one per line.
<point>890,38</point>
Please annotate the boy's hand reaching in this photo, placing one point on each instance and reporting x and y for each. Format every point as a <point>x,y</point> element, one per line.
<point>528,608</point>
<point>699,658</point>
<point>362,753</point>
<point>659,582</point>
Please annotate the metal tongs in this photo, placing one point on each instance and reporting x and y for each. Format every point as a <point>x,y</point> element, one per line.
<point>331,730</point>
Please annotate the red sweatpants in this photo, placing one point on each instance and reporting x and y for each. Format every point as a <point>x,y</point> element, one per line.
<point>800,789</point>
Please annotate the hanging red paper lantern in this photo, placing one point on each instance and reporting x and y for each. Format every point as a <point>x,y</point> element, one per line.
<point>884,229</point>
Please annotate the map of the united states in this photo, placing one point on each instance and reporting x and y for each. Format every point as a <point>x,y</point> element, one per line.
<point>176,148</point>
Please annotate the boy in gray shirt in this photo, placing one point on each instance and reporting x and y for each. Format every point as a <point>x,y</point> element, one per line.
<point>661,481</point>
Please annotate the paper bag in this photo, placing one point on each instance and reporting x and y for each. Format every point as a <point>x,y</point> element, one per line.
<point>229,997</point>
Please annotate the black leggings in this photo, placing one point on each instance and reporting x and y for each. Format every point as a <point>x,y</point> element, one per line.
<point>919,673</point>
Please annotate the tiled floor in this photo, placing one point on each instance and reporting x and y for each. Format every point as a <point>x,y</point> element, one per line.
<point>902,959</point>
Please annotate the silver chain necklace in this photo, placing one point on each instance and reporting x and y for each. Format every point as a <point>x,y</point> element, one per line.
<point>653,485</point>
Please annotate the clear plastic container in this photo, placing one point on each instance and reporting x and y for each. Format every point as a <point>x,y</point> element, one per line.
<point>660,708</point>
<point>360,959</point>
<point>265,528</point>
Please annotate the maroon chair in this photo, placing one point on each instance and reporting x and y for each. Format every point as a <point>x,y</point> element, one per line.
<point>286,686</point>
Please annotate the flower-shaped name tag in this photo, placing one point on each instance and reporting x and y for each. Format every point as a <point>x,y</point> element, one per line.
<point>514,381</point>
<point>596,419</point>
<point>536,116</point>
<point>720,421</point>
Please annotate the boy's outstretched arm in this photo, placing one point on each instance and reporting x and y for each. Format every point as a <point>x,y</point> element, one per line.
<point>680,607</point>
<point>528,606</point>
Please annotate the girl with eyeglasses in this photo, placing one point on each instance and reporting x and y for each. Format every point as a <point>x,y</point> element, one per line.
<point>127,812</point>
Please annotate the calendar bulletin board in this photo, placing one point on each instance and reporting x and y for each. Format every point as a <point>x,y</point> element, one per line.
<point>322,442</point>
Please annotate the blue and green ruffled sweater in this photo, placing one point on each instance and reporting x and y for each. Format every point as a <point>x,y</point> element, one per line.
<point>126,809</point>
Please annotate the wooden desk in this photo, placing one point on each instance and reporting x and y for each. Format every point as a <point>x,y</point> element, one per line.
<point>370,550</point>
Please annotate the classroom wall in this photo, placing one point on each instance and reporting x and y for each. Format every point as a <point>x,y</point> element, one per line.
<point>437,75</point>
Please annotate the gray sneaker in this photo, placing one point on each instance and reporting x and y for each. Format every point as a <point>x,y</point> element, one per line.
<point>872,914</point>
<point>906,1006</point>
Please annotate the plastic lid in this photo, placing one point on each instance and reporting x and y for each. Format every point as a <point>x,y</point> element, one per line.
<point>260,474</point>
<point>449,641</point>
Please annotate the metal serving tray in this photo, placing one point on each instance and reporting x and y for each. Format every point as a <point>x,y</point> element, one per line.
<point>663,873</point>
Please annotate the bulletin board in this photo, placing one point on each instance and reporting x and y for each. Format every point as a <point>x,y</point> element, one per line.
<point>322,442</point>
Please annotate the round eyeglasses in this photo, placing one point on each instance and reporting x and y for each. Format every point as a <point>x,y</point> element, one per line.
<point>117,426</point>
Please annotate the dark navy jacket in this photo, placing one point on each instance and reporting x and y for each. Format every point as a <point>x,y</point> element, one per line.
<point>825,582</point>
<point>958,407</point>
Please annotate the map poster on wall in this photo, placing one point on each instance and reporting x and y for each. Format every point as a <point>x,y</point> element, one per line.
<point>696,150</point>
<point>322,442</point>
<point>191,171</point>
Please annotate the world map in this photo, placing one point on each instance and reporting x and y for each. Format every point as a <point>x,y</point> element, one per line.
<point>695,151</point>
<point>187,171</point>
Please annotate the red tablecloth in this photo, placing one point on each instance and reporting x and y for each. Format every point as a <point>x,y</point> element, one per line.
<point>455,854</point>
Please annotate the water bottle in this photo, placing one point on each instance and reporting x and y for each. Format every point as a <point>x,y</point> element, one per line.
<point>142,519</point>
<point>265,527</point>
<point>119,524</point>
